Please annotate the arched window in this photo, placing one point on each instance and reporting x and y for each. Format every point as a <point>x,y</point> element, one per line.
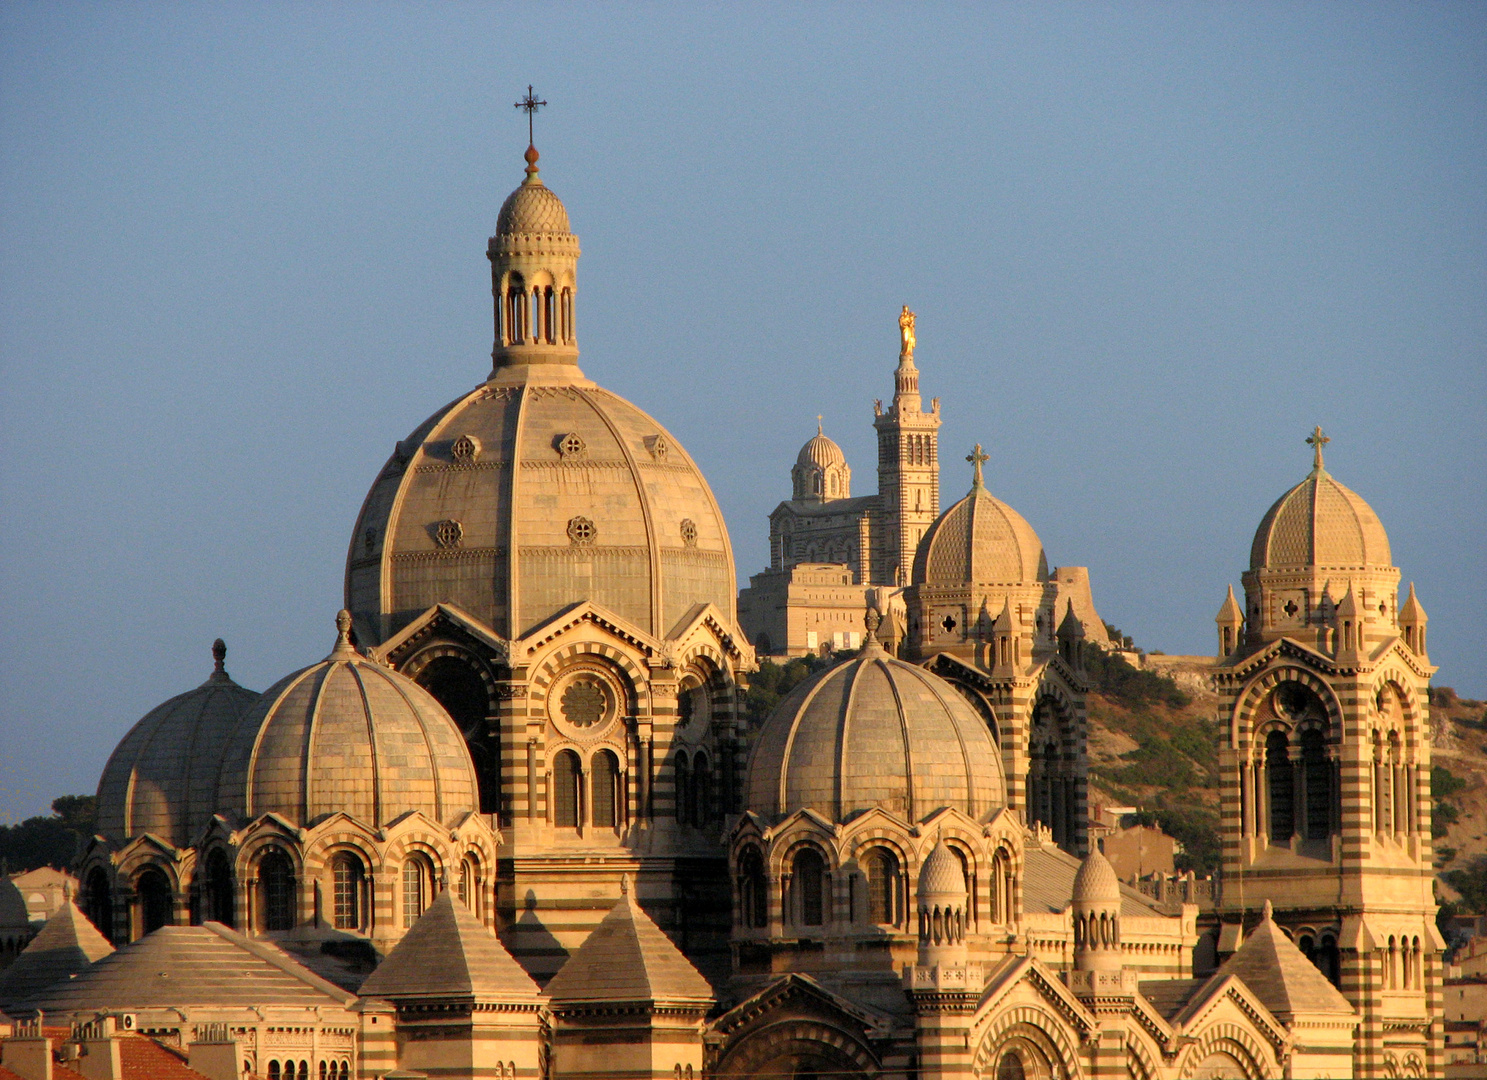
<point>753,889</point>
<point>1010,1067</point>
<point>516,310</point>
<point>683,790</point>
<point>1328,959</point>
<point>98,901</point>
<point>606,785</point>
<point>220,906</point>
<point>418,886</point>
<point>276,888</point>
<point>882,887</point>
<point>1316,774</point>
<point>1281,784</point>
<point>1001,887</point>
<point>565,794</point>
<point>273,1070</point>
<point>456,683</point>
<point>155,904</point>
<point>700,802</point>
<point>810,887</point>
<point>348,878</point>
<point>469,884</point>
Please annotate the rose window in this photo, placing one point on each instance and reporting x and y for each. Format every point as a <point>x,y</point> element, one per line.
<point>584,703</point>
<point>449,534</point>
<point>581,530</point>
<point>464,450</point>
<point>572,445</point>
<point>689,532</point>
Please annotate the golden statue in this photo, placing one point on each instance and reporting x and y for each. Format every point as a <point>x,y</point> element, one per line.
<point>906,332</point>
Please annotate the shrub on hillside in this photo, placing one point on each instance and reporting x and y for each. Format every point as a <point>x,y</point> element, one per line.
<point>1111,675</point>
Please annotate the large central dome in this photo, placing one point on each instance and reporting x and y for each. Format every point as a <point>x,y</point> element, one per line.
<point>538,489</point>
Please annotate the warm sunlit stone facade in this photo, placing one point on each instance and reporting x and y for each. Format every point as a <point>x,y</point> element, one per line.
<point>516,817</point>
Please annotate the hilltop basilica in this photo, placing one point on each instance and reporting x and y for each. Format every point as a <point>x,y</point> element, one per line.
<point>516,823</point>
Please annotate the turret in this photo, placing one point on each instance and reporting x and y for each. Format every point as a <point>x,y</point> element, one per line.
<point>942,910</point>
<point>1412,620</point>
<point>1349,623</point>
<point>1096,912</point>
<point>1230,621</point>
<point>1004,655</point>
<point>1071,639</point>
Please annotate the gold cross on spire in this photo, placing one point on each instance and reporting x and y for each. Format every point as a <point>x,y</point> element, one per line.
<point>1316,440</point>
<point>530,104</point>
<point>977,458</point>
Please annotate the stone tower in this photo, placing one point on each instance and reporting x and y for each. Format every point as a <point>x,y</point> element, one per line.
<point>908,467</point>
<point>1324,705</point>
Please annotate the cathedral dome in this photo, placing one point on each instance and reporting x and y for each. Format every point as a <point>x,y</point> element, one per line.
<point>820,452</point>
<point>161,778</point>
<point>1320,523</point>
<point>347,734</point>
<point>529,494</point>
<point>874,731</point>
<point>980,540</point>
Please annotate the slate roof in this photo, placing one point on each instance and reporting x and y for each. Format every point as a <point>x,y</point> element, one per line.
<point>628,959</point>
<point>1277,973</point>
<point>447,953</point>
<point>1168,996</point>
<point>66,945</point>
<point>191,965</point>
<point>1048,884</point>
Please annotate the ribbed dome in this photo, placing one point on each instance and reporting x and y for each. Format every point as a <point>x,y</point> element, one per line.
<point>874,731</point>
<point>1096,883</point>
<point>980,540</point>
<point>532,208</point>
<point>942,874</point>
<point>820,453</point>
<point>162,777</point>
<point>1320,523</point>
<point>533,492</point>
<point>347,734</point>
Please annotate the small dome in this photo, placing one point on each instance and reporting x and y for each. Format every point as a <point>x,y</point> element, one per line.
<point>820,453</point>
<point>942,874</point>
<point>347,734</point>
<point>874,731</point>
<point>532,209</point>
<point>1320,523</point>
<point>980,540</point>
<point>161,778</point>
<point>1096,883</point>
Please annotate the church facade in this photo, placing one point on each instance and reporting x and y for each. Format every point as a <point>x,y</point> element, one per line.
<point>515,824</point>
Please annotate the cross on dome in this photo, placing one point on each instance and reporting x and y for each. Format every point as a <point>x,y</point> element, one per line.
<point>530,105</point>
<point>1316,440</point>
<point>977,458</point>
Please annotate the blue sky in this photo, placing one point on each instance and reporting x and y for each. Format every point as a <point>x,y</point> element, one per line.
<point>242,253</point>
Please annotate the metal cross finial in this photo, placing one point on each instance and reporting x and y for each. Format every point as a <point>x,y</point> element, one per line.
<point>1316,440</point>
<point>530,104</point>
<point>977,458</point>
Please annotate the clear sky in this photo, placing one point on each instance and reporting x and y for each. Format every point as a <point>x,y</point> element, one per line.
<point>242,253</point>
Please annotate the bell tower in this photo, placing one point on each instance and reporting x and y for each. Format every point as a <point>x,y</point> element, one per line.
<point>1325,767</point>
<point>908,465</point>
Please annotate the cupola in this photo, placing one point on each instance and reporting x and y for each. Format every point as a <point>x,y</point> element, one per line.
<point>821,472</point>
<point>1412,620</point>
<point>1230,621</point>
<point>1096,915</point>
<point>942,908</point>
<point>534,276</point>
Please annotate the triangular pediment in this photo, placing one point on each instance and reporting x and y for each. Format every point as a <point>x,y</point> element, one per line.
<point>1219,990</point>
<point>1030,972</point>
<point>443,621</point>
<point>801,993</point>
<point>805,819</point>
<point>146,845</point>
<point>573,620</point>
<point>707,622</point>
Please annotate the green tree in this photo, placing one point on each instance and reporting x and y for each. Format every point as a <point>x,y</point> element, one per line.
<point>55,841</point>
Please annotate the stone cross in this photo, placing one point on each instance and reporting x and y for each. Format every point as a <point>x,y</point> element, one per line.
<point>1316,440</point>
<point>530,104</point>
<point>976,458</point>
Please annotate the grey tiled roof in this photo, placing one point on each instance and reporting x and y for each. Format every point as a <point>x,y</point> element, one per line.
<point>448,952</point>
<point>1277,973</point>
<point>180,966</point>
<point>1048,885</point>
<point>1168,996</point>
<point>628,959</point>
<point>67,944</point>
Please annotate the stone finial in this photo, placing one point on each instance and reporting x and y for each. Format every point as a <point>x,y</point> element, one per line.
<point>219,657</point>
<point>977,458</point>
<point>872,620</point>
<point>624,884</point>
<point>1267,913</point>
<point>343,632</point>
